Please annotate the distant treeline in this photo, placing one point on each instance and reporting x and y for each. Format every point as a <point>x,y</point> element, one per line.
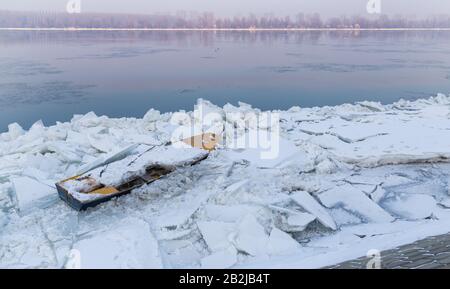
<point>10,19</point>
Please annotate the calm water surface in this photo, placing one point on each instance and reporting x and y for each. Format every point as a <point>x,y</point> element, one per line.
<point>53,75</point>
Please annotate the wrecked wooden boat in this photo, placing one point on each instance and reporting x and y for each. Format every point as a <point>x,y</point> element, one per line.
<point>141,165</point>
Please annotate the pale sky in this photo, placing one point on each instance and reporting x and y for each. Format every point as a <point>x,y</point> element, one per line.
<point>237,7</point>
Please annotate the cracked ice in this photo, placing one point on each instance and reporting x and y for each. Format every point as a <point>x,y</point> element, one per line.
<point>349,178</point>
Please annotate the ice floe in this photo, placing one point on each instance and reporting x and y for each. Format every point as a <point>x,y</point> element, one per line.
<point>355,201</point>
<point>281,243</point>
<point>220,259</point>
<point>128,245</point>
<point>32,194</point>
<point>305,200</point>
<point>343,180</point>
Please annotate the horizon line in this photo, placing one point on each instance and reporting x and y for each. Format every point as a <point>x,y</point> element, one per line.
<point>245,14</point>
<point>217,29</point>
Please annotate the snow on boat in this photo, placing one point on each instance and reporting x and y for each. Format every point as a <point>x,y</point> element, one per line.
<point>143,165</point>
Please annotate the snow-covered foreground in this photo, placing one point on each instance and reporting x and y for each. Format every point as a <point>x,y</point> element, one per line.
<point>348,179</point>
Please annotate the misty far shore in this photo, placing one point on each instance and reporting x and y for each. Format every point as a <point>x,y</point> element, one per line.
<point>218,29</point>
<point>208,21</point>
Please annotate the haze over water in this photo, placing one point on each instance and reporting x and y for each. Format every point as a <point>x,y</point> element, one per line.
<point>53,75</point>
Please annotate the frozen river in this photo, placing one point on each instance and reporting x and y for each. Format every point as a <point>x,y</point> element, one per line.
<point>53,75</point>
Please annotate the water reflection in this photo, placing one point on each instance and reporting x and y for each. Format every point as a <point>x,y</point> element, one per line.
<point>52,75</point>
<point>59,92</point>
<point>207,38</point>
<point>17,67</point>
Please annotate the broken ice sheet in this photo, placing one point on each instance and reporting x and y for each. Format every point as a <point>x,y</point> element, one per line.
<point>33,194</point>
<point>105,159</point>
<point>180,210</point>
<point>205,193</point>
<point>6,200</point>
<point>299,222</point>
<point>379,139</point>
<point>307,202</point>
<point>23,244</point>
<point>445,203</point>
<point>14,131</point>
<point>251,237</point>
<point>103,143</point>
<point>281,243</point>
<point>247,236</point>
<point>354,201</point>
<point>412,206</point>
<point>183,253</point>
<point>221,259</point>
<point>229,213</point>
<point>378,194</point>
<point>344,218</point>
<point>130,244</point>
<point>278,154</point>
<point>217,235</point>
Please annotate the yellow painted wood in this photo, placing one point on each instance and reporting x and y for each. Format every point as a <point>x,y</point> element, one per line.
<point>207,141</point>
<point>105,191</point>
<point>69,179</point>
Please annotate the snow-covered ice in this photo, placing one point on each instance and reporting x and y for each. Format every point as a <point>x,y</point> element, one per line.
<point>251,237</point>
<point>31,193</point>
<point>220,260</point>
<point>347,179</point>
<point>281,243</point>
<point>127,245</point>
<point>354,200</point>
<point>305,200</point>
